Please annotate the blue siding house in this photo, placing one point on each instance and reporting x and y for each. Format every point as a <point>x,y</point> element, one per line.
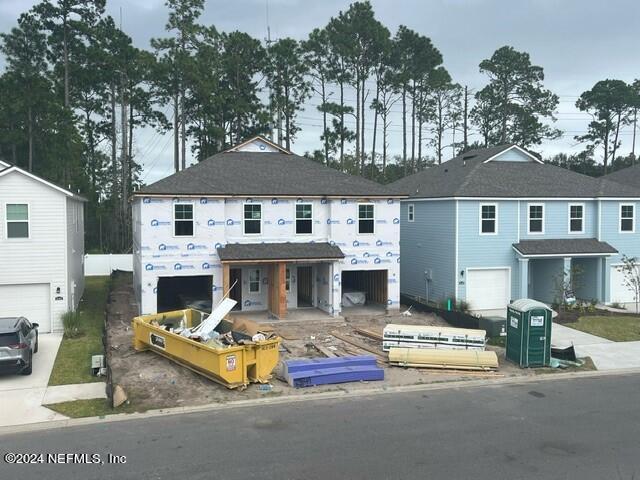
<point>497,224</point>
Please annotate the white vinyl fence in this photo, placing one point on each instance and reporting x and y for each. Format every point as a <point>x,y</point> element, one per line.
<point>98,264</point>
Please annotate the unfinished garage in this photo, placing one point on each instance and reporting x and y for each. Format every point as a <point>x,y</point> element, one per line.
<point>175,293</point>
<point>364,287</point>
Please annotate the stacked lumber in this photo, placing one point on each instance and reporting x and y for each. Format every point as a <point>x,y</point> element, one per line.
<point>428,336</point>
<point>443,358</point>
<point>323,371</point>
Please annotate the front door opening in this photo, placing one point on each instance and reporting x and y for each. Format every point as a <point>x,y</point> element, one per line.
<point>305,287</point>
<point>235,283</point>
<point>176,293</point>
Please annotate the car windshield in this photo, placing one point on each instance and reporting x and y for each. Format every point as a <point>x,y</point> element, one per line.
<point>7,339</point>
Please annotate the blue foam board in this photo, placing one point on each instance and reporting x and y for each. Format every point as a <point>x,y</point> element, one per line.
<point>324,376</point>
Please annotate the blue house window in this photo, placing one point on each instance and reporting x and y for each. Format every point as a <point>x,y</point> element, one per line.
<point>536,218</point>
<point>488,217</point>
<point>576,218</point>
<point>627,218</point>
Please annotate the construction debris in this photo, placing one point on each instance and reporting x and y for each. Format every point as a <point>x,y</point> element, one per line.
<point>323,371</point>
<point>360,345</point>
<point>443,358</point>
<point>119,396</point>
<point>419,336</point>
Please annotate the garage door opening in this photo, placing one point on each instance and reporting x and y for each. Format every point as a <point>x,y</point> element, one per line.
<point>364,287</point>
<point>175,293</point>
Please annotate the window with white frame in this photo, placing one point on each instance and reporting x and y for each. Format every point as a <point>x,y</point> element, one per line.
<point>366,218</point>
<point>536,218</point>
<point>287,280</point>
<point>576,218</point>
<point>183,219</point>
<point>254,281</point>
<point>488,218</point>
<point>252,219</point>
<point>411,212</point>
<point>17,217</point>
<point>627,217</point>
<point>304,218</point>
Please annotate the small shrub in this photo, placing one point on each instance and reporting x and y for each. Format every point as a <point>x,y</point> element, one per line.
<point>72,324</point>
<point>592,305</point>
<point>463,306</point>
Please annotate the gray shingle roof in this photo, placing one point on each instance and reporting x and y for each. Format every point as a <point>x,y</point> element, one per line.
<point>468,176</point>
<point>563,246</point>
<point>279,251</point>
<point>260,173</point>
<point>628,176</point>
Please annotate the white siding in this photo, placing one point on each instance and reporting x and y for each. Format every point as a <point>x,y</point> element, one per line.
<point>75,252</point>
<point>41,258</point>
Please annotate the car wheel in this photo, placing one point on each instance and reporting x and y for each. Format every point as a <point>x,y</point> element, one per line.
<point>35,350</point>
<point>29,368</point>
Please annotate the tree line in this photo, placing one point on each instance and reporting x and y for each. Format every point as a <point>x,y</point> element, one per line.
<point>76,93</point>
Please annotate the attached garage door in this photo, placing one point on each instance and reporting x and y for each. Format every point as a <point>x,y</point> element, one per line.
<point>619,291</point>
<point>30,301</point>
<point>488,289</point>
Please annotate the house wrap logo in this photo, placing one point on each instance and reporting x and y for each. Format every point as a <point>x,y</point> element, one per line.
<point>390,201</point>
<point>195,246</point>
<point>381,243</point>
<point>231,222</point>
<point>203,201</point>
<point>218,245</point>
<point>379,260</point>
<point>282,221</point>
<point>323,201</point>
<point>149,267</point>
<point>216,288</point>
<point>274,201</point>
<point>355,261</point>
<point>162,247</point>
<point>396,221</point>
<point>157,223</point>
<point>151,200</point>
<point>336,277</point>
<point>343,201</point>
<point>357,243</point>
<point>368,254</point>
<point>182,266</point>
<point>250,303</point>
<point>392,302</point>
<point>331,221</point>
<point>350,221</point>
<point>212,223</point>
<point>392,254</point>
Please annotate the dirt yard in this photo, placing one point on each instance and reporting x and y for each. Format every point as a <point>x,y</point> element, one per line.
<point>152,381</point>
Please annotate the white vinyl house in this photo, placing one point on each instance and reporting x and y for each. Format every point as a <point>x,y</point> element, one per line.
<point>41,248</point>
<point>283,232</point>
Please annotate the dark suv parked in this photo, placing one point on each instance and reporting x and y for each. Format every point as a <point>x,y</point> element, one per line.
<point>18,343</point>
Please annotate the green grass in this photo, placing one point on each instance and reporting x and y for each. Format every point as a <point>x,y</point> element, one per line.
<point>616,328</point>
<point>497,341</point>
<point>97,407</point>
<point>73,363</point>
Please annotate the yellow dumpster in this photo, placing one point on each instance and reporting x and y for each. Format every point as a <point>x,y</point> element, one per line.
<point>234,366</point>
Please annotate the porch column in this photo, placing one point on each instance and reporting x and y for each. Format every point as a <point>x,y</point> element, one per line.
<point>566,268</point>
<point>606,282</point>
<point>524,277</point>
<point>599,280</point>
<point>225,279</point>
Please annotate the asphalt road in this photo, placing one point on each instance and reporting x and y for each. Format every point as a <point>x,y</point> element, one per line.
<point>566,429</point>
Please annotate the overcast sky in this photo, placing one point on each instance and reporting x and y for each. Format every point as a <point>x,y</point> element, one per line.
<point>577,42</point>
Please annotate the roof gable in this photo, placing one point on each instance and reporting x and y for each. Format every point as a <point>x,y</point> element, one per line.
<point>513,154</point>
<point>31,176</point>
<point>4,165</point>
<point>258,144</point>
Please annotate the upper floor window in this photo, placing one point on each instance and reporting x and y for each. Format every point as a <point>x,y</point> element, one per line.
<point>17,220</point>
<point>576,218</point>
<point>304,218</point>
<point>536,218</point>
<point>411,213</point>
<point>365,218</point>
<point>488,218</point>
<point>183,219</point>
<point>252,219</point>
<point>254,281</point>
<point>627,217</point>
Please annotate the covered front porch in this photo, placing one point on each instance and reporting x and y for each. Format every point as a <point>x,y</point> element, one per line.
<point>271,280</point>
<point>549,268</point>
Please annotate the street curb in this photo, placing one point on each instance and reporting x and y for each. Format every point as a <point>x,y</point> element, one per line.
<point>339,394</point>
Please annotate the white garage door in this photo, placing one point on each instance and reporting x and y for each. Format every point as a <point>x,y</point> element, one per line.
<point>619,291</point>
<point>488,289</point>
<point>31,301</point>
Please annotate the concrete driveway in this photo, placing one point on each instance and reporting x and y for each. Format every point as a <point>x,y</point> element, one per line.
<point>22,395</point>
<point>606,355</point>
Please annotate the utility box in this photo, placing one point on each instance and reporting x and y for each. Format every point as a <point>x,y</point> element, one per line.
<point>529,333</point>
<point>494,326</point>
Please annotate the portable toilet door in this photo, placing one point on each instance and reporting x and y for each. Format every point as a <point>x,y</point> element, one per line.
<point>515,344</point>
<point>538,352</point>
